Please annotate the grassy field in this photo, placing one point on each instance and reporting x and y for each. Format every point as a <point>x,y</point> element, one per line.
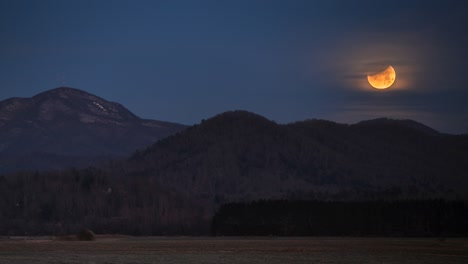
<point>122,249</point>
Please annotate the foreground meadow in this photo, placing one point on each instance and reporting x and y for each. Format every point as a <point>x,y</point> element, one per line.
<point>122,249</point>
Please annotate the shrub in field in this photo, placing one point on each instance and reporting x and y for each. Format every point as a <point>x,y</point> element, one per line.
<point>86,235</point>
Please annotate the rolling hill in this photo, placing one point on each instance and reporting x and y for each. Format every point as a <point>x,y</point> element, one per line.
<point>241,155</point>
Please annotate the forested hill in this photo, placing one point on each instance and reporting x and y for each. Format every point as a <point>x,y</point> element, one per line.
<point>176,185</point>
<point>241,155</point>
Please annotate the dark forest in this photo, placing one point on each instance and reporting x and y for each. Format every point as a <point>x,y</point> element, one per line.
<point>331,218</point>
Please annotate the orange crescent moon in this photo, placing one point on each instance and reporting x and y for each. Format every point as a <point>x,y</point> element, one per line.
<point>382,80</point>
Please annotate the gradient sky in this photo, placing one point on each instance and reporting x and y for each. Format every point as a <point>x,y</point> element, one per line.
<point>183,61</point>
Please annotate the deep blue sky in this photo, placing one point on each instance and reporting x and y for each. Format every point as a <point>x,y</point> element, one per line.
<point>183,61</point>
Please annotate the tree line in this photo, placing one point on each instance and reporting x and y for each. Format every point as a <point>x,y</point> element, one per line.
<point>337,218</point>
<point>65,202</point>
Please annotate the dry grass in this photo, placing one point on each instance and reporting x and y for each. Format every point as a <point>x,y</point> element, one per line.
<point>124,249</point>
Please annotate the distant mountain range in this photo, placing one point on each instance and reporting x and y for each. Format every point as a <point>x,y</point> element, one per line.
<point>176,184</point>
<point>69,127</point>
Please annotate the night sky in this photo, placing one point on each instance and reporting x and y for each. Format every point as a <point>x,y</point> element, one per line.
<point>183,61</point>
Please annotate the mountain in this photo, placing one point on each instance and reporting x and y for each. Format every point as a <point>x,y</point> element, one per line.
<point>70,127</point>
<point>243,156</point>
<point>176,185</point>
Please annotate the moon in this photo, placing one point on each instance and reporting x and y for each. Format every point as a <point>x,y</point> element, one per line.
<point>382,80</point>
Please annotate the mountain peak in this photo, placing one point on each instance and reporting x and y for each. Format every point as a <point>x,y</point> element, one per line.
<point>407,123</point>
<point>66,103</point>
<point>238,115</point>
<point>236,120</point>
<point>65,89</point>
<point>70,122</point>
<point>65,93</point>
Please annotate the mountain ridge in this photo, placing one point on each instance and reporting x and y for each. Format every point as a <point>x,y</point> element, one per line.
<point>178,183</point>
<point>73,123</point>
<point>319,156</point>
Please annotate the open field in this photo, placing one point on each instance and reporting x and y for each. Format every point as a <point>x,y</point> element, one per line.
<point>122,249</point>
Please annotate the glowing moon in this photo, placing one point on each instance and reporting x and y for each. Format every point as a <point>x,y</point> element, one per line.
<point>383,79</point>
